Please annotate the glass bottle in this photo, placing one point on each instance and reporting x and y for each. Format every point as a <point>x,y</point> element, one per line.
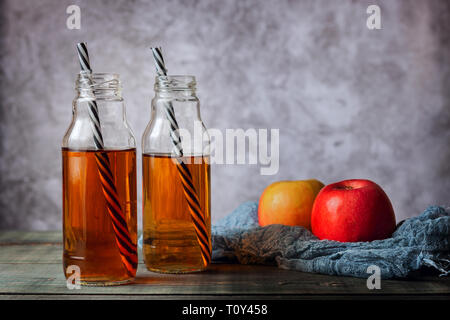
<point>171,237</point>
<point>99,186</point>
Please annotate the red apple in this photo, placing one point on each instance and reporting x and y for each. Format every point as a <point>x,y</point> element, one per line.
<point>351,211</point>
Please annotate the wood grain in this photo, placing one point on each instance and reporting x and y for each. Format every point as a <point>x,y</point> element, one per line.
<point>31,267</point>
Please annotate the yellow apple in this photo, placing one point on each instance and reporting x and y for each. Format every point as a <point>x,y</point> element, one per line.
<point>288,202</point>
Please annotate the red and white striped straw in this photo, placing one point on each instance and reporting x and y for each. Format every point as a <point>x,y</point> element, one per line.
<point>191,196</point>
<point>126,246</point>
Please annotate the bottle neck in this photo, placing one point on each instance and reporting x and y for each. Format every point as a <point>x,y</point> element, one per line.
<point>173,86</point>
<point>108,111</point>
<point>175,99</point>
<point>99,86</point>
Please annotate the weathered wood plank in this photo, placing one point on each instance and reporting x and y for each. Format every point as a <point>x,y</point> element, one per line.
<point>10,237</point>
<point>47,278</point>
<point>43,253</point>
<point>220,279</point>
<point>33,266</point>
<point>32,253</point>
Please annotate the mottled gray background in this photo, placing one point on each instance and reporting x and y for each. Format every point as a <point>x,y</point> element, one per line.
<point>350,102</point>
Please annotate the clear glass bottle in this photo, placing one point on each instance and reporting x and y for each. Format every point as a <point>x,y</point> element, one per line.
<point>171,238</point>
<point>99,223</point>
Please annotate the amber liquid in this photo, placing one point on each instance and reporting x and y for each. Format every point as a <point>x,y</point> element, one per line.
<point>170,241</point>
<point>89,239</point>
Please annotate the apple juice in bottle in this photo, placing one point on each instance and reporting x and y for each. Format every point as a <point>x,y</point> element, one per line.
<point>89,238</point>
<point>99,186</point>
<point>171,243</point>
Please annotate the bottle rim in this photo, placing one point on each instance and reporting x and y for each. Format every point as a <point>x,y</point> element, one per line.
<point>98,81</point>
<point>99,85</point>
<point>175,83</point>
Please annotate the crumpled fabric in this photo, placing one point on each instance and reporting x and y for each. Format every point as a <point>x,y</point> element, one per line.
<point>419,242</point>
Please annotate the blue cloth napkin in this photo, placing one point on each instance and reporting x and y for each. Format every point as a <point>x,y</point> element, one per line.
<point>419,242</point>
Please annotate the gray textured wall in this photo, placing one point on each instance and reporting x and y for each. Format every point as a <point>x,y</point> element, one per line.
<point>349,102</point>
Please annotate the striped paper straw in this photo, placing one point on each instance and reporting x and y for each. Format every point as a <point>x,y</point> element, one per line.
<point>127,248</point>
<point>190,193</point>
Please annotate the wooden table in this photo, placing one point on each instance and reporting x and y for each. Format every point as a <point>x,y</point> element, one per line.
<point>31,268</point>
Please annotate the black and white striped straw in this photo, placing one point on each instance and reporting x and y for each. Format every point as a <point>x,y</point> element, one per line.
<point>168,107</point>
<point>85,66</point>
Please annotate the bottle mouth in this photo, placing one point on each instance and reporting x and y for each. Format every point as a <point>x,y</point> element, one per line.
<point>98,81</point>
<point>175,83</point>
<point>100,85</point>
